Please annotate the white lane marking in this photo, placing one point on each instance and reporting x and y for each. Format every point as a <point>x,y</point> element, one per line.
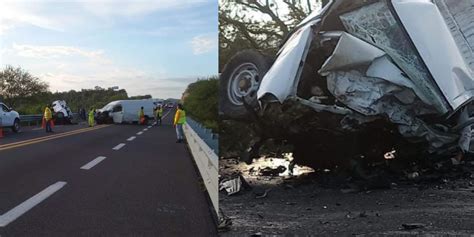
<point>149,127</point>
<point>166,114</point>
<point>146,129</point>
<point>139,133</point>
<point>25,206</point>
<point>117,147</point>
<point>93,163</point>
<point>36,129</point>
<point>131,138</point>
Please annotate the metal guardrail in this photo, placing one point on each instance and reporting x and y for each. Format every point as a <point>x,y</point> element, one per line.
<point>32,118</point>
<point>36,118</point>
<point>211,139</point>
<point>206,160</point>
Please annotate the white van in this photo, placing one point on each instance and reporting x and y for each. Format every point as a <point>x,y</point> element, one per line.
<point>125,111</point>
<point>62,112</point>
<point>9,118</point>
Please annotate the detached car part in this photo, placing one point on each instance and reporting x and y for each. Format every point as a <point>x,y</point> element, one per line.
<point>361,67</point>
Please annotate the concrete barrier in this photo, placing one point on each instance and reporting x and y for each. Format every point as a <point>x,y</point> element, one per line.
<point>207,163</point>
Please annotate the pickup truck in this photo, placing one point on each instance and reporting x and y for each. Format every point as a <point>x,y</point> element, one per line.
<point>9,118</point>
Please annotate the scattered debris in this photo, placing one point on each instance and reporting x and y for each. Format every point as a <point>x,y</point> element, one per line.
<point>267,171</point>
<point>363,214</point>
<point>390,155</point>
<point>262,195</point>
<point>413,175</point>
<point>231,186</point>
<point>412,226</point>
<point>224,222</point>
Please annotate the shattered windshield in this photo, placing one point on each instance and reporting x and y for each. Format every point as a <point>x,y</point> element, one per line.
<point>376,25</point>
<point>109,106</point>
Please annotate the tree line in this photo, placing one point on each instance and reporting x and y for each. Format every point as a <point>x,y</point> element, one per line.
<point>28,94</point>
<point>200,101</point>
<point>259,24</point>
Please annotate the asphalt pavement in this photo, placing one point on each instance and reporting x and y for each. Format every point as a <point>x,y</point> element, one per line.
<point>110,180</point>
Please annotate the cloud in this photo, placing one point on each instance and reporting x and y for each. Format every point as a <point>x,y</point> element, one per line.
<point>67,68</point>
<point>45,14</point>
<point>13,14</point>
<point>48,52</point>
<point>204,43</point>
<point>109,8</point>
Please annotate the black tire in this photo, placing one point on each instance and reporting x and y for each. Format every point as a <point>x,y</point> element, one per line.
<point>16,126</point>
<point>240,81</point>
<point>59,118</point>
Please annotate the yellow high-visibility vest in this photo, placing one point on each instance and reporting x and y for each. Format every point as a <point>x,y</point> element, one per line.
<point>48,115</point>
<point>180,117</point>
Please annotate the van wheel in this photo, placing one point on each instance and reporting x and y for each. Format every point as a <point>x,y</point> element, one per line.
<point>240,81</point>
<point>59,118</point>
<point>16,126</point>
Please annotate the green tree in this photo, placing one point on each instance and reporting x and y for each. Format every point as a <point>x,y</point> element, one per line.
<point>17,83</point>
<point>140,97</point>
<point>258,24</point>
<point>200,101</point>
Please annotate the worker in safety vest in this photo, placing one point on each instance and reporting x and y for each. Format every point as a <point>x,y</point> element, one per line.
<point>179,121</point>
<point>91,117</point>
<point>158,114</point>
<point>141,116</point>
<point>48,118</point>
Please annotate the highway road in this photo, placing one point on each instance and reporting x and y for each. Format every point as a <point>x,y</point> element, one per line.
<point>109,180</point>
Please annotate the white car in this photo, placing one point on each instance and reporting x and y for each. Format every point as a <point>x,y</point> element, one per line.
<point>9,118</point>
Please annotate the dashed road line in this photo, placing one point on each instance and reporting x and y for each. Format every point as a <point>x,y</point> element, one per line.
<point>25,206</point>
<point>139,133</point>
<point>131,138</point>
<point>146,129</point>
<point>166,114</point>
<point>93,163</point>
<point>119,146</point>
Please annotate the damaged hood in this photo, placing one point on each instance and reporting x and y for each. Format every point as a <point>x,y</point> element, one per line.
<point>431,42</point>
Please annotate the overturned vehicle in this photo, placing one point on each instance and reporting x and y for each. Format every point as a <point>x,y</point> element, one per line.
<point>61,112</point>
<point>362,78</point>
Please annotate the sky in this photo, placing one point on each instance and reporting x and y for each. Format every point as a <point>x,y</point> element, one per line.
<point>152,47</point>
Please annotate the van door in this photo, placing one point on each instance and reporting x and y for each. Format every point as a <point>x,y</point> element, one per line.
<point>117,114</point>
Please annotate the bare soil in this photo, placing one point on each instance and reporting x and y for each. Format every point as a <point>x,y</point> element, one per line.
<point>317,204</point>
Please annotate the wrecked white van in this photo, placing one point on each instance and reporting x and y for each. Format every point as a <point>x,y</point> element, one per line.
<point>125,111</point>
<point>61,112</point>
<point>368,74</point>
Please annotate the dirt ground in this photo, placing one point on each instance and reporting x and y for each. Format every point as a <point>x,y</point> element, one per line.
<point>308,204</point>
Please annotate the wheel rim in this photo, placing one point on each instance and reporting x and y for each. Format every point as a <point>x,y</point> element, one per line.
<point>17,126</point>
<point>244,81</point>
